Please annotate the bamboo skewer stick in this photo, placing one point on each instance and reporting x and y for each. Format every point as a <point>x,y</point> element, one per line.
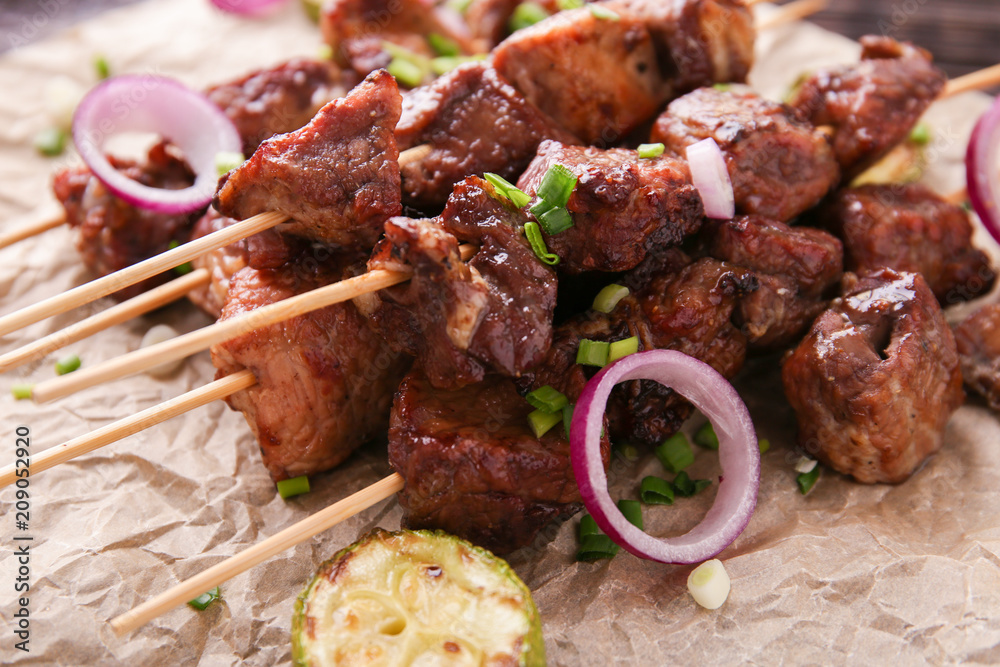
<point>793,11</point>
<point>229,568</point>
<point>50,218</point>
<point>140,305</point>
<point>984,78</point>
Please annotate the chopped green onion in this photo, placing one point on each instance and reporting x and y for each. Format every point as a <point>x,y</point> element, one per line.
<point>202,601</point>
<point>548,399</point>
<point>806,464</point>
<point>444,64</point>
<point>293,487</point>
<point>608,298</point>
<point>763,445</point>
<point>596,547</point>
<point>22,391</point>
<point>537,243</point>
<point>623,348</point>
<point>921,134</point>
<point>723,87</point>
<point>541,422</point>
<point>709,584</point>
<point>50,142</point>
<point>603,13</point>
<point>588,526</point>
<point>324,52</point>
<point>686,487</point>
<point>527,14</point>
<point>627,452</point>
<point>649,151</point>
<point>675,453</point>
<point>632,511</point>
<point>505,188</point>
<point>67,364</point>
<point>443,46</point>
<point>555,220</point>
<point>807,480</point>
<point>656,491</point>
<point>557,185</point>
<point>460,6</point>
<point>312,9</point>
<point>569,4</point>
<point>705,437</point>
<point>567,418</point>
<point>102,68</point>
<point>226,161</point>
<point>184,268</point>
<point>406,72</point>
<point>593,353</point>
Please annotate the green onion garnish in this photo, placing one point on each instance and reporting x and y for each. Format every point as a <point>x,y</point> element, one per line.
<point>527,14</point>
<point>548,399</point>
<point>649,151</point>
<point>623,348</point>
<point>534,234</point>
<point>443,46</point>
<point>202,601</point>
<point>505,188</point>
<point>656,491</point>
<point>921,134</point>
<point>444,64</point>
<point>460,6</point>
<point>50,142</point>
<point>67,364</point>
<point>554,220</point>
<point>406,72</point>
<point>184,268</point>
<point>723,87</point>
<point>22,391</point>
<point>705,437</point>
<point>324,52</point>
<point>626,451</point>
<point>226,161</point>
<point>603,13</point>
<point>608,298</point>
<point>295,486</point>
<point>593,353</point>
<point>763,445</point>
<point>596,547</point>
<point>807,480</point>
<point>101,67</point>
<point>567,414</point>
<point>675,453</point>
<point>557,185</point>
<point>563,5</point>
<point>686,487</point>
<point>588,526</point>
<point>632,510</point>
<point>541,422</point>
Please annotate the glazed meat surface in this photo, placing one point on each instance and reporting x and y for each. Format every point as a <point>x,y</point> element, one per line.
<point>780,166</point>
<point>222,264</point>
<point>472,465</point>
<point>337,178</point>
<point>277,100</point>
<point>623,207</point>
<point>872,106</point>
<point>909,228</point>
<point>475,122</point>
<point>324,380</point>
<point>978,339</point>
<point>875,381</point>
<point>464,319</point>
<point>112,234</point>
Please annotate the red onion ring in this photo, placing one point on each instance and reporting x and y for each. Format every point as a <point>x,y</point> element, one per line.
<point>982,167</point>
<point>739,455</point>
<point>246,7</point>
<point>164,107</point>
<point>711,178</point>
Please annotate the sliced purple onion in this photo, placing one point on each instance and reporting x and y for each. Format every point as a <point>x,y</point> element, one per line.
<point>711,178</point>
<point>739,455</point>
<point>982,166</point>
<point>247,7</point>
<point>161,106</point>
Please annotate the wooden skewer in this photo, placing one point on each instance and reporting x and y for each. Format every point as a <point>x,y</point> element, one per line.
<point>130,425</point>
<point>984,78</point>
<point>122,312</point>
<point>227,569</point>
<point>50,218</point>
<point>793,11</point>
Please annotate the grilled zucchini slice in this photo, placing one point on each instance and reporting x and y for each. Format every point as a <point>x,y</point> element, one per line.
<point>416,598</point>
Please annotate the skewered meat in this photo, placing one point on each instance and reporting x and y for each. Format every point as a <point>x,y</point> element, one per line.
<point>472,465</point>
<point>475,122</point>
<point>873,105</point>
<point>909,228</point>
<point>623,207</point>
<point>337,177</point>
<point>876,379</point>
<point>978,339</point>
<point>795,267</point>
<point>222,264</point>
<point>464,319</point>
<point>780,166</point>
<point>489,20</point>
<point>114,235</point>
<point>324,379</point>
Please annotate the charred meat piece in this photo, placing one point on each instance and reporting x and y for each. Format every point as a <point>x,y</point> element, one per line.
<point>623,207</point>
<point>114,235</point>
<point>472,465</point>
<point>222,264</point>
<point>337,177</point>
<point>875,381</point>
<point>475,122</point>
<point>909,228</point>
<point>277,100</point>
<point>324,380</point>
<point>780,166</point>
<point>795,266</point>
<point>464,319</point>
<point>978,339</point>
<point>873,105</point>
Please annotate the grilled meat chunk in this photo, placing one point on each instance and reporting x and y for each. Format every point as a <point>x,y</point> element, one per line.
<point>780,166</point>
<point>875,381</point>
<point>222,264</point>
<point>464,319</point>
<point>337,177</point>
<point>113,234</point>
<point>472,465</point>
<point>489,20</point>
<point>909,228</point>
<point>324,380</point>
<point>474,122</point>
<point>873,105</point>
<point>277,100</point>
<point>978,339</point>
<point>623,207</point>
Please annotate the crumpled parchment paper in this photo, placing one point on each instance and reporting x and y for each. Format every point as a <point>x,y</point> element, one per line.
<point>850,574</point>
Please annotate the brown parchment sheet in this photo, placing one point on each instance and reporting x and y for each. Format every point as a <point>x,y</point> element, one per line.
<point>850,574</point>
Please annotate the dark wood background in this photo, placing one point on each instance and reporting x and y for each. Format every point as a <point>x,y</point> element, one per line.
<point>964,35</point>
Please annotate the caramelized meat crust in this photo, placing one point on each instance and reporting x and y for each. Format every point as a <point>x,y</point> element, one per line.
<point>978,340</point>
